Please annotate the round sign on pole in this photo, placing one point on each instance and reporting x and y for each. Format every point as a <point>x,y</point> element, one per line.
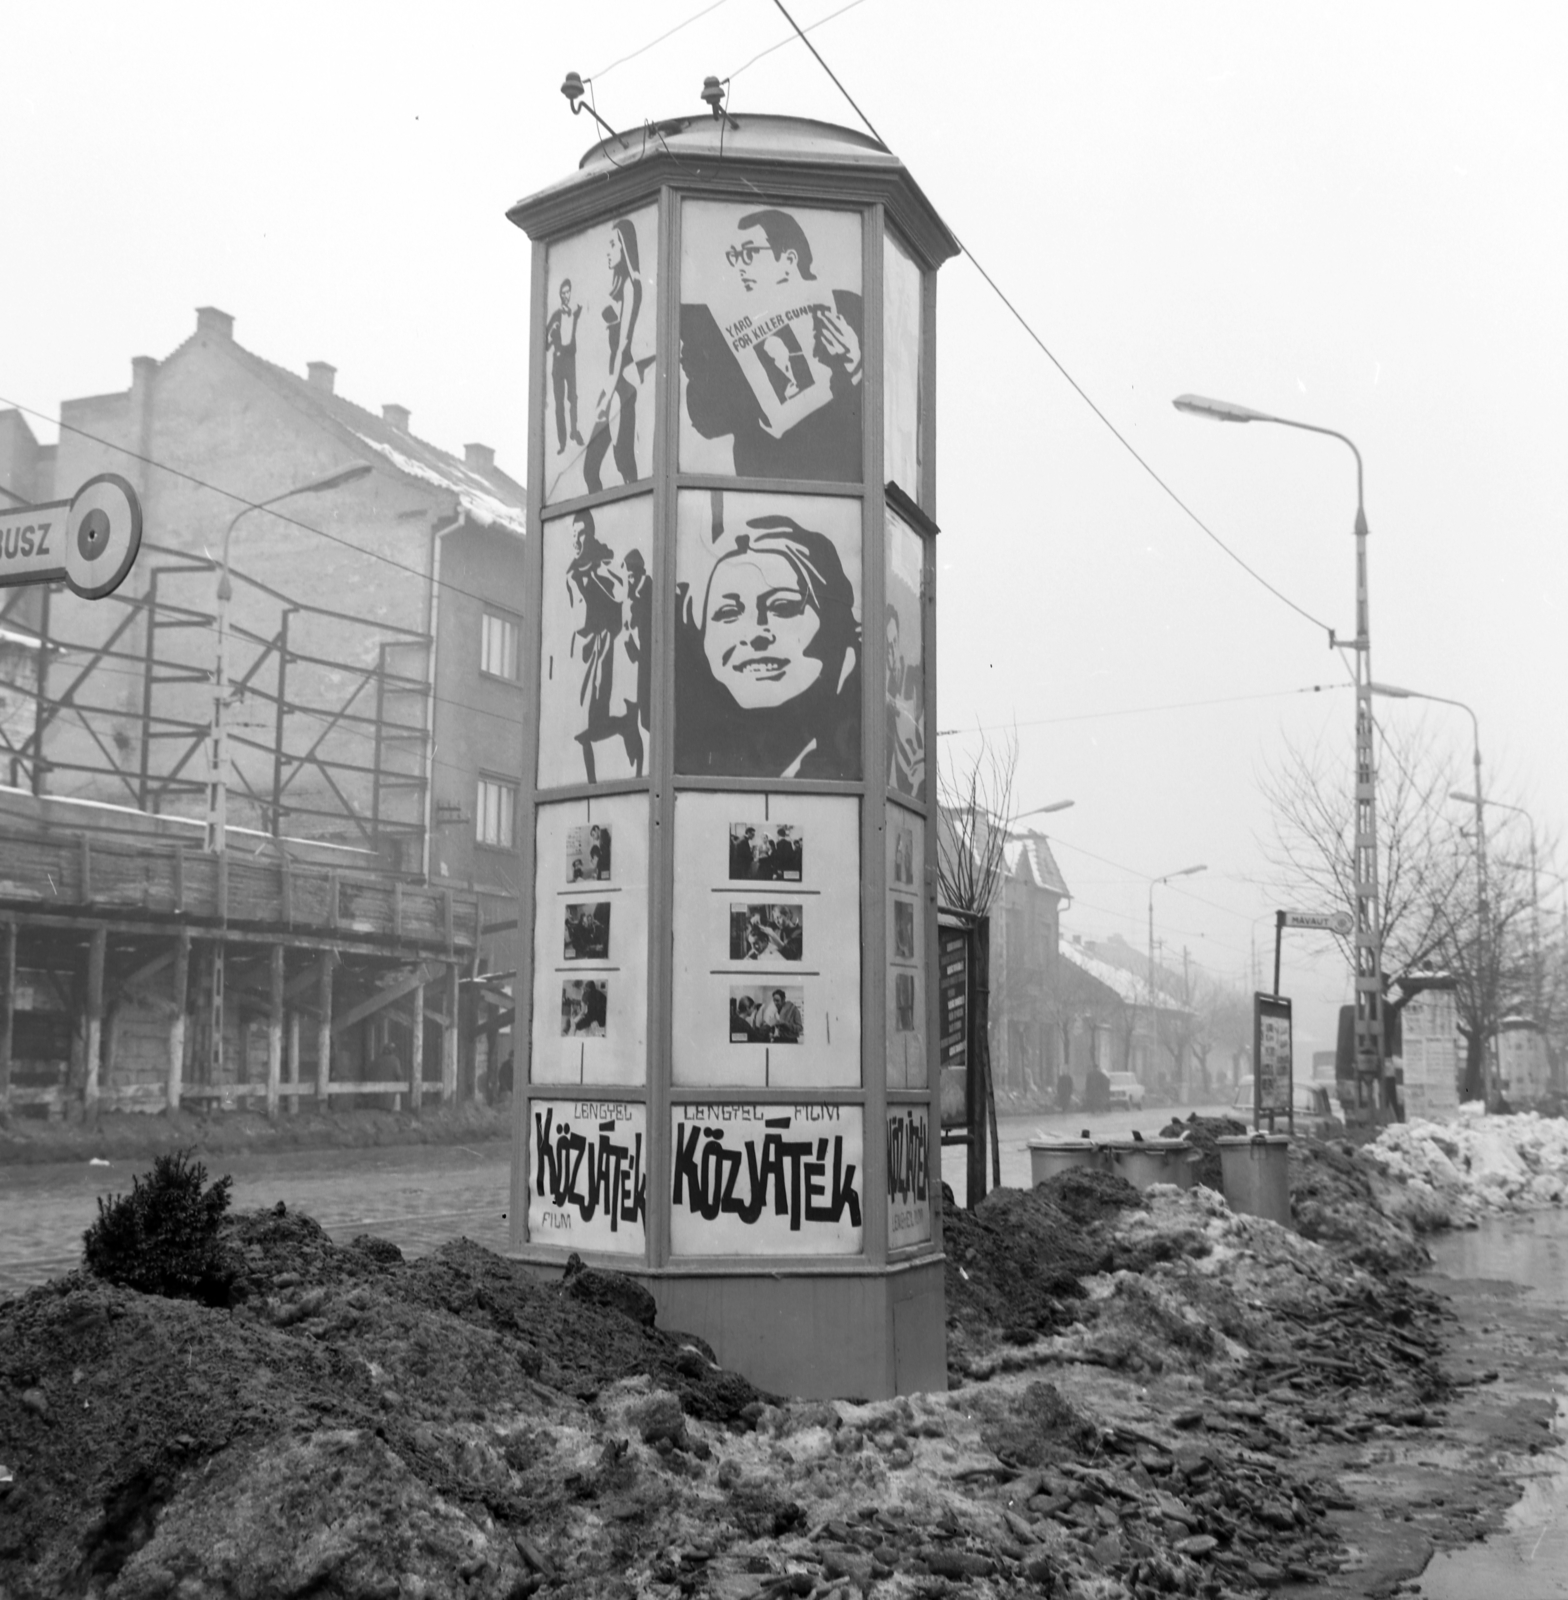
<point>103,532</point>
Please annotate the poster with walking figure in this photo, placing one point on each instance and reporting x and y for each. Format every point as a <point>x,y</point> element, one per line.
<point>595,631</point>
<point>599,354</point>
<point>771,342</point>
<point>906,673</point>
<point>767,636</point>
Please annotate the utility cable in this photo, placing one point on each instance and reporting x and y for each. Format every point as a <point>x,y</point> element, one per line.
<point>669,33</point>
<point>821,22</point>
<point>1138,711</point>
<point>1072,382</point>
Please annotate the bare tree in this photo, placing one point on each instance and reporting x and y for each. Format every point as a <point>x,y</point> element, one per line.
<point>1430,907</point>
<point>975,806</point>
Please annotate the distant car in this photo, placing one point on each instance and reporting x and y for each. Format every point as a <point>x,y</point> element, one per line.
<point>1126,1092</point>
<point>1315,1110</point>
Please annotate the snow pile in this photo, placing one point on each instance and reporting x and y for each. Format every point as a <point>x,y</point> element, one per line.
<point>1478,1163</point>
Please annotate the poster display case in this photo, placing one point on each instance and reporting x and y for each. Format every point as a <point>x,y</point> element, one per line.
<point>728,922</point>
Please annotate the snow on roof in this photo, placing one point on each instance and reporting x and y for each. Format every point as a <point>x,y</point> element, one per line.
<point>1122,983</point>
<point>1031,853</point>
<point>478,504</point>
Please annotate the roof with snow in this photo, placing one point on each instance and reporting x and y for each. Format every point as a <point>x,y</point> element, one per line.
<point>1121,982</point>
<point>483,492</point>
<point>1029,858</point>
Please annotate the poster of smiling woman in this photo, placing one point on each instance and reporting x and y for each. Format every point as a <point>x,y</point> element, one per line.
<point>767,636</point>
<point>772,331</point>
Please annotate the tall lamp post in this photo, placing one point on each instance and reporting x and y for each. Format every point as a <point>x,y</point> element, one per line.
<point>1482,888</point>
<point>218,743</point>
<point>1370,1044</point>
<point>1186,872</point>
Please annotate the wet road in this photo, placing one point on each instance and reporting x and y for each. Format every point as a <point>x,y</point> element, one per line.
<point>419,1197</point>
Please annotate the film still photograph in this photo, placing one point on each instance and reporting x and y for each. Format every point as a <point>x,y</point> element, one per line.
<point>584,1008</point>
<point>904,1001</point>
<point>766,933</point>
<point>903,930</point>
<point>767,636</point>
<point>588,931</point>
<point>765,852</point>
<point>771,331</point>
<point>904,856</point>
<point>588,854</point>
<point>759,1015</point>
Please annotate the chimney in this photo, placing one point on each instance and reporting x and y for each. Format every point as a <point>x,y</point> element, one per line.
<point>142,370</point>
<point>211,320</point>
<point>395,417</point>
<point>321,374</point>
<point>480,457</point>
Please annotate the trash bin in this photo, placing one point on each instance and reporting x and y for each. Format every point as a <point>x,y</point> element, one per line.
<point>1255,1174</point>
<point>1145,1161</point>
<point>1048,1157</point>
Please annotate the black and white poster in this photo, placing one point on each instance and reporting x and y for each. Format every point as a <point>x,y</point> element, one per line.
<point>767,636</point>
<point>767,969</point>
<point>766,933</point>
<point>595,633</point>
<point>599,352</point>
<point>587,931</point>
<point>590,985</point>
<point>906,673</point>
<point>903,930</point>
<point>759,1180</point>
<point>771,853</point>
<point>763,1015</point>
<point>772,342</point>
<point>900,368</point>
<point>908,1176</point>
<point>588,1175</point>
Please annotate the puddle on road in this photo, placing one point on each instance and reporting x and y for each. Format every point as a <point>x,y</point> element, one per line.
<point>1528,1558</point>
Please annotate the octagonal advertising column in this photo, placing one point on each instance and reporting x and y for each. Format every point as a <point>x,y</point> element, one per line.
<point>728,847</point>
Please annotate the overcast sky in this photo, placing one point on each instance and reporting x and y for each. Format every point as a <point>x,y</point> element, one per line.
<point>1349,214</point>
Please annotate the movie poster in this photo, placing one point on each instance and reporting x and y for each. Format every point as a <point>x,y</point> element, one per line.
<point>599,348</point>
<point>900,368</point>
<point>772,332</point>
<point>591,941</point>
<point>588,1174</point>
<point>906,668</point>
<point>595,632</point>
<point>766,1180</point>
<point>767,940</point>
<point>908,1066</point>
<point>767,636</point>
<point>908,1176</point>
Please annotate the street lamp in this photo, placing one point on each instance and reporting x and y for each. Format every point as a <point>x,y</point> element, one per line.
<point>1038,811</point>
<point>1392,691</point>
<point>1369,928</point>
<point>217,763</point>
<point>1186,872</point>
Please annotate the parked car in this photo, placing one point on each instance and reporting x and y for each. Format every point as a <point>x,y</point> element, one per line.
<point>1316,1111</point>
<point>1126,1092</point>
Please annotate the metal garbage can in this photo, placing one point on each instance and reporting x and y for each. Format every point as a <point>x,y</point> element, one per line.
<point>1255,1174</point>
<point>1048,1157</point>
<point>1145,1161</point>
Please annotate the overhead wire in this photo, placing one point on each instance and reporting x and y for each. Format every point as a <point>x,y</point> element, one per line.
<point>789,38</point>
<point>669,33</point>
<point>1072,382</point>
<point>1137,711</point>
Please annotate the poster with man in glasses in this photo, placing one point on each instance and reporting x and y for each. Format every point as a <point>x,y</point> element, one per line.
<point>772,324</point>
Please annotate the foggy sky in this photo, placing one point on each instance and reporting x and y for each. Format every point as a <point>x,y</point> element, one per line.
<point>1351,215</point>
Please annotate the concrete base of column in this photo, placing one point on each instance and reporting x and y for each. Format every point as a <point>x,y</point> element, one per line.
<point>803,1331</point>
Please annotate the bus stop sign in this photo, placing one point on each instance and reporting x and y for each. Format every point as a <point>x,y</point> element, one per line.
<point>90,541</point>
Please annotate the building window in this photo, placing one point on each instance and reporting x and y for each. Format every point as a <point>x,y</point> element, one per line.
<point>494,814</point>
<point>498,646</point>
